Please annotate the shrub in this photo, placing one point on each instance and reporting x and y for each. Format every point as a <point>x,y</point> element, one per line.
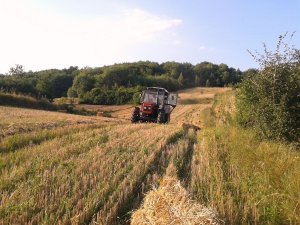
<point>268,100</point>
<point>136,98</point>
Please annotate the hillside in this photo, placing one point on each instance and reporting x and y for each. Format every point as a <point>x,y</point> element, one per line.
<point>62,168</point>
<point>119,83</point>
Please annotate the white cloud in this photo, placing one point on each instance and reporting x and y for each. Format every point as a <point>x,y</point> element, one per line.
<point>176,42</point>
<point>141,25</point>
<point>40,39</point>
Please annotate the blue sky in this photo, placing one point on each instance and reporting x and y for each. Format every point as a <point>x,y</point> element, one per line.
<point>43,34</point>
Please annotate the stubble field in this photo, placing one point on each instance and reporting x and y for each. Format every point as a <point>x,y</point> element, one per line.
<point>62,168</point>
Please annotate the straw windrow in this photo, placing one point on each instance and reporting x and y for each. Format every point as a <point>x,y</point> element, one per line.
<point>171,204</point>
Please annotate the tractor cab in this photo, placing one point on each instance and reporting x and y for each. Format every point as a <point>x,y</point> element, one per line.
<point>154,102</point>
<point>158,96</point>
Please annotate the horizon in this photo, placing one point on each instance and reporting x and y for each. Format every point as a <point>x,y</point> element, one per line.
<point>43,35</point>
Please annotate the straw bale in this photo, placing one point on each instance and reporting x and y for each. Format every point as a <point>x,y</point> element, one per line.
<point>171,204</point>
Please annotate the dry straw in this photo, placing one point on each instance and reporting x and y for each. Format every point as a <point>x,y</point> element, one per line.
<point>170,204</point>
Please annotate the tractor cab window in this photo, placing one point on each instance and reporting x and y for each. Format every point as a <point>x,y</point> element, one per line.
<point>154,95</point>
<point>161,97</point>
<point>150,96</point>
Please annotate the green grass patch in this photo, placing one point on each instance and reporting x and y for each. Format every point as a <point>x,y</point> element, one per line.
<point>107,113</point>
<point>12,99</point>
<point>247,181</point>
<point>23,101</point>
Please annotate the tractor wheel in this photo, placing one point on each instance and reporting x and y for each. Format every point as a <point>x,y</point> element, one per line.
<point>161,117</point>
<point>135,117</point>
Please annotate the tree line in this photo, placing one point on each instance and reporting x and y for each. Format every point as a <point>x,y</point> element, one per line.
<point>118,83</point>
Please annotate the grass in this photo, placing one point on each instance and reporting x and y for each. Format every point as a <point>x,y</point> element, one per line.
<point>190,101</point>
<point>245,179</point>
<point>13,99</point>
<point>107,113</point>
<point>23,101</point>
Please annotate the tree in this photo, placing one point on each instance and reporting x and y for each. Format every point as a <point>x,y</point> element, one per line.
<point>269,100</point>
<point>83,83</point>
<point>207,83</point>
<point>43,87</point>
<point>181,79</point>
<point>17,70</point>
<point>218,82</point>
<point>197,80</point>
<point>78,82</point>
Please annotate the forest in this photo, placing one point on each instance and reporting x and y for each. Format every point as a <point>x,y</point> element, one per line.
<point>118,83</point>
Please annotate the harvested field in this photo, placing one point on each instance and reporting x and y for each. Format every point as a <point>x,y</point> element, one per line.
<point>16,120</point>
<point>58,168</point>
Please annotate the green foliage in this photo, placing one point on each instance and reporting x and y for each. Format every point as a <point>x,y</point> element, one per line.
<point>53,84</point>
<point>95,85</point>
<point>17,100</point>
<point>181,80</point>
<point>269,100</point>
<point>25,101</point>
<point>48,83</point>
<point>136,98</point>
<point>107,113</point>
<point>246,180</point>
<point>106,96</point>
<point>207,83</point>
<point>82,83</point>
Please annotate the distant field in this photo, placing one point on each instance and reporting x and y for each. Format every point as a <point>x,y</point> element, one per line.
<point>200,93</point>
<point>190,103</point>
<point>17,120</point>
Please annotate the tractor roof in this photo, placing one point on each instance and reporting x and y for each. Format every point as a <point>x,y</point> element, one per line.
<point>156,89</point>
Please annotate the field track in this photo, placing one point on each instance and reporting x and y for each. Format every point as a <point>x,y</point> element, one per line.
<point>69,169</point>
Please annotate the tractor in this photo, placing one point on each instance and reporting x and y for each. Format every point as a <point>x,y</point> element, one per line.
<point>156,105</point>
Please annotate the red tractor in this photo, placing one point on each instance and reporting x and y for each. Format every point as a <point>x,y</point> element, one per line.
<point>156,106</point>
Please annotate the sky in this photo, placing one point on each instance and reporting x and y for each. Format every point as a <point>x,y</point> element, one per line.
<point>46,34</point>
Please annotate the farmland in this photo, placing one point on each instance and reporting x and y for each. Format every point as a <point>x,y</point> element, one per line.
<point>62,168</point>
<point>58,168</point>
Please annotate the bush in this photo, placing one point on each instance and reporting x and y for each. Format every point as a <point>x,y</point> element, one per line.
<point>268,100</point>
<point>136,98</point>
<point>114,96</point>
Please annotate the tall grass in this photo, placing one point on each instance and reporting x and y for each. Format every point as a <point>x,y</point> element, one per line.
<point>12,99</point>
<point>17,100</point>
<point>247,180</point>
